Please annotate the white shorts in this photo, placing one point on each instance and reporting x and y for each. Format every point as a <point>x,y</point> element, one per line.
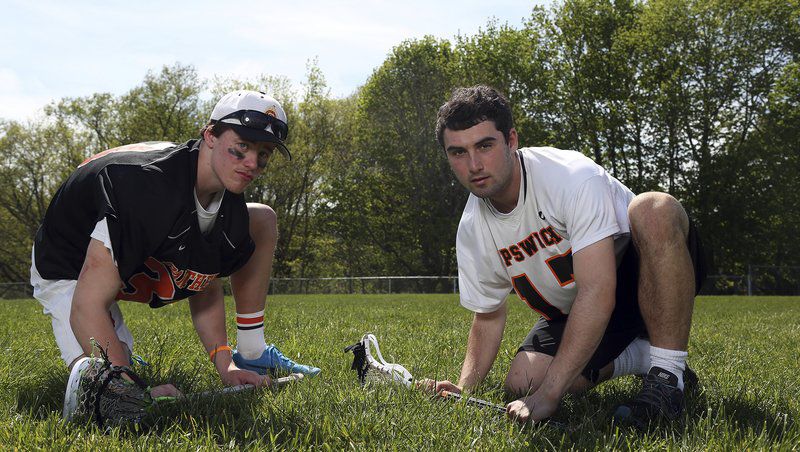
<point>55,295</point>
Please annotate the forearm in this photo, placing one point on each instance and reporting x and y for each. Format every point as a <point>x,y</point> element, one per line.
<point>95,291</point>
<point>483,344</point>
<point>587,323</point>
<point>91,322</point>
<point>595,276</point>
<point>208,317</point>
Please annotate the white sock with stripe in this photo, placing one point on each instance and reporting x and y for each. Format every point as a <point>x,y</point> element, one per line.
<point>670,360</point>
<point>250,341</point>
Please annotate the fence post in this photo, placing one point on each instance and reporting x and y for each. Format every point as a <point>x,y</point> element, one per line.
<point>749,280</point>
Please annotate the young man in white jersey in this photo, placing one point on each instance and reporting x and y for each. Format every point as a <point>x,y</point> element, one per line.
<point>613,275</point>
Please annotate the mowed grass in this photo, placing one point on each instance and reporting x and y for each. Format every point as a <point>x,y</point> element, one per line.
<point>745,351</point>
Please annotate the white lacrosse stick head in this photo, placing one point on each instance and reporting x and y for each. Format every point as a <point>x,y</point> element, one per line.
<point>75,395</point>
<point>379,369</point>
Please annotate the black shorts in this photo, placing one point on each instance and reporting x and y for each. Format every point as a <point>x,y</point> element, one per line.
<point>626,323</point>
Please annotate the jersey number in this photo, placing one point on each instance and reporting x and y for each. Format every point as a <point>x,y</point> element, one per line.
<point>561,267</point>
<point>142,286</point>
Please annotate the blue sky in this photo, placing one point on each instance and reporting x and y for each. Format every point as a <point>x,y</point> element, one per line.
<point>54,49</point>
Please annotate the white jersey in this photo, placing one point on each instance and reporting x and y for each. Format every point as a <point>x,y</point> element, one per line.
<point>566,203</point>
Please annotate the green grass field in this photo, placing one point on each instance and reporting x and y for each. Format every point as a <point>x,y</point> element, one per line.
<point>745,350</point>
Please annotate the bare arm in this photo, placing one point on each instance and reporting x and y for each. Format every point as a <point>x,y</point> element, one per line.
<point>482,346</point>
<point>595,274</point>
<point>97,288</point>
<point>208,317</point>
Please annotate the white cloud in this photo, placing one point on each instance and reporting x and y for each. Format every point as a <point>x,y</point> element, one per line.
<point>21,107</point>
<point>14,103</point>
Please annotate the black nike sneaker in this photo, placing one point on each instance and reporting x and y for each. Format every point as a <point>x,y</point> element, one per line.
<point>690,380</point>
<point>659,400</point>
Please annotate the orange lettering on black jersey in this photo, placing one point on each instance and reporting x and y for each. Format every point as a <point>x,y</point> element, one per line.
<point>142,287</point>
<point>180,277</point>
<point>197,281</point>
<point>200,281</point>
<point>183,279</point>
<point>162,283</point>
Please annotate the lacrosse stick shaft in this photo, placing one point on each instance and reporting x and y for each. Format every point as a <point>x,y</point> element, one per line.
<point>276,383</point>
<point>474,401</point>
<point>396,373</point>
<point>497,407</point>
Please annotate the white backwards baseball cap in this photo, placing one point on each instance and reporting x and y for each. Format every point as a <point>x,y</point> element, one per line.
<point>254,116</point>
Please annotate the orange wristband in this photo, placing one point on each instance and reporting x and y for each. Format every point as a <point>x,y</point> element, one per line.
<point>213,353</point>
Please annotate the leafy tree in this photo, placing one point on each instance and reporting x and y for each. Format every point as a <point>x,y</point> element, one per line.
<point>34,159</point>
<point>519,63</point>
<point>595,78</point>
<point>165,107</point>
<point>755,187</point>
<point>398,197</point>
<point>320,131</point>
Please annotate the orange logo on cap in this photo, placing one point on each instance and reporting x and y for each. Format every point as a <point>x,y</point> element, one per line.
<point>271,112</point>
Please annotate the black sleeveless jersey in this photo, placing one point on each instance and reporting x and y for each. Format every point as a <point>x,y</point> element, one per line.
<point>145,192</point>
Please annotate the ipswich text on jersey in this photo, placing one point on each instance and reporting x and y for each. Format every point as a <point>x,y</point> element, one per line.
<point>543,238</point>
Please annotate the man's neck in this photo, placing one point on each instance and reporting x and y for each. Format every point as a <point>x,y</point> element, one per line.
<point>207,185</point>
<point>507,199</point>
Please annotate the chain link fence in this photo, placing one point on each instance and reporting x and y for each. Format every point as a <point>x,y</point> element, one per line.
<point>365,285</point>
<point>772,280</point>
<point>759,280</point>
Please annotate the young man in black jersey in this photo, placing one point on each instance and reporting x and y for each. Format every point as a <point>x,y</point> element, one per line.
<point>159,222</point>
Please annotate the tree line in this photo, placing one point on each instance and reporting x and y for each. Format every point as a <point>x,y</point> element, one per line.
<point>698,98</point>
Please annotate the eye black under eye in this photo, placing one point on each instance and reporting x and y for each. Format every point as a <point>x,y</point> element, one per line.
<point>236,153</point>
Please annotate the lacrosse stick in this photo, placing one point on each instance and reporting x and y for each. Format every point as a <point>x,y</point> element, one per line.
<point>378,370</point>
<point>97,390</point>
<point>496,407</point>
<point>480,403</point>
<point>276,383</point>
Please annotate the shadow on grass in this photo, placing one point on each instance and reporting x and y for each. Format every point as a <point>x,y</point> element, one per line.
<point>239,418</point>
<point>739,414</point>
<point>589,415</point>
<point>587,420</point>
<point>42,393</point>
<point>249,417</point>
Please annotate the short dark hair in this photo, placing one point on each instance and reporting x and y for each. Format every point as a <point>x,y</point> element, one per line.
<point>216,128</point>
<point>470,106</point>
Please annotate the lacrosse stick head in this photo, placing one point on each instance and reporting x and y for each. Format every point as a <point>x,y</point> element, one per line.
<point>97,390</point>
<point>371,366</point>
